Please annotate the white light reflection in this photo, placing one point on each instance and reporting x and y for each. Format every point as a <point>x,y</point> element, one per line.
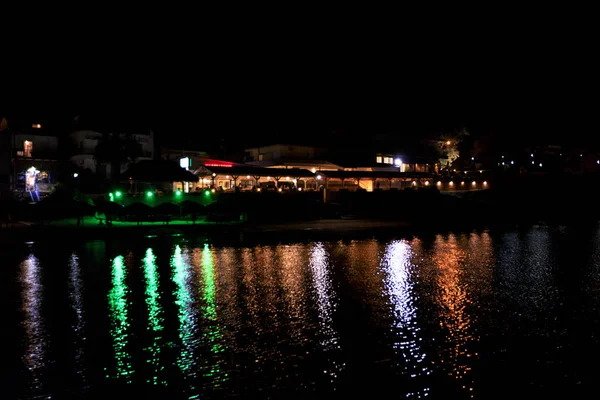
<point>320,268</point>
<point>76,298</point>
<point>35,332</point>
<point>399,285</point>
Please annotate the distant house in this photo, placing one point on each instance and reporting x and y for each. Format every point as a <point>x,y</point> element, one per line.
<point>289,156</point>
<point>85,142</point>
<point>28,157</point>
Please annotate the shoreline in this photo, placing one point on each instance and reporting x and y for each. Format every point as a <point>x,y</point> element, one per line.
<point>50,232</point>
<point>323,229</point>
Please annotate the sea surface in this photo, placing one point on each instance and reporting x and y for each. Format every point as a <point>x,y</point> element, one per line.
<point>482,314</point>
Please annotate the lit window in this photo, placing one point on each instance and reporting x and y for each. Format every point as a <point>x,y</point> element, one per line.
<point>27,148</point>
<point>260,157</point>
<point>379,159</point>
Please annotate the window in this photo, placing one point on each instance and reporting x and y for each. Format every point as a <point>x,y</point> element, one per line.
<point>378,159</point>
<point>27,148</point>
<point>388,160</point>
<point>260,157</point>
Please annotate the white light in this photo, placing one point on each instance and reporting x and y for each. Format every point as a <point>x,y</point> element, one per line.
<point>397,162</point>
<point>184,163</point>
<point>581,155</point>
<point>226,176</point>
<point>287,178</point>
<point>258,190</point>
<point>299,189</point>
<point>75,175</point>
<point>502,162</point>
<point>314,170</point>
<point>319,177</point>
<point>462,183</point>
<point>598,162</point>
<point>247,176</point>
<point>540,164</point>
<point>426,183</point>
<point>439,183</point>
<point>485,182</point>
<point>473,183</point>
<point>451,183</point>
<point>214,174</point>
<point>502,156</point>
<point>268,178</point>
<point>531,154</point>
<point>512,162</point>
<point>414,183</point>
<point>280,189</point>
<point>533,162</point>
<point>472,158</point>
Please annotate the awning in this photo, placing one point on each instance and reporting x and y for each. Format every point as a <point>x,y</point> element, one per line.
<point>240,171</point>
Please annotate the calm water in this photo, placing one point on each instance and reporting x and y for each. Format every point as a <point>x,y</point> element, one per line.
<point>477,315</point>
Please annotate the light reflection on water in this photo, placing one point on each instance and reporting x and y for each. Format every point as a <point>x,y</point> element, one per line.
<point>398,267</point>
<point>454,298</point>
<point>117,300</point>
<point>155,316</point>
<point>34,356</point>
<point>76,297</point>
<point>186,315</point>
<point>427,317</point>
<point>326,305</point>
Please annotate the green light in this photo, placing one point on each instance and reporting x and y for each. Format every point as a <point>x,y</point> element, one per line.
<point>149,194</point>
<point>188,330</point>
<point>212,335</point>
<point>178,193</point>
<point>155,314</point>
<point>117,300</point>
<point>118,194</point>
<point>111,197</point>
<point>207,192</point>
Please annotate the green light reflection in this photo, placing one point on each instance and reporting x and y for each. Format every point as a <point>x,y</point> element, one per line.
<point>212,334</point>
<point>117,300</point>
<point>187,318</point>
<point>155,314</point>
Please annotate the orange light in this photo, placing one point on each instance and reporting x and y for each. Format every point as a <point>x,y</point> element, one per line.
<point>485,182</point>
<point>448,143</point>
<point>451,183</point>
<point>439,183</point>
<point>462,183</point>
<point>426,183</point>
<point>258,190</point>
<point>280,189</point>
<point>474,183</point>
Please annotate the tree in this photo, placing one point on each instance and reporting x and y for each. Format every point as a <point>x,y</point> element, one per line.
<point>117,149</point>
<point>450,145</point>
